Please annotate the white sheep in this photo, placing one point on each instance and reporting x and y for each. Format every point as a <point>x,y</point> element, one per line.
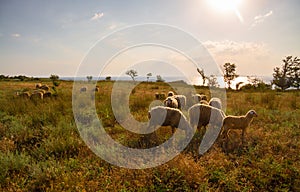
<point>215,102</point>
<point>181,99</point>
<point>170,93</point>
<point>166,116</point>
<point>238,122</point>
<point>202,114</point>
<point>38,85</point>
<point>171,102</point>
<point>45,87</point>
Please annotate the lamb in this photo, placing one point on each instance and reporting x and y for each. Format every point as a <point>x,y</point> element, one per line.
<point>166,116</point>
<point>201,115</point>
<point>215,102</point>
<point>171,102</point>
<point>238,122</point>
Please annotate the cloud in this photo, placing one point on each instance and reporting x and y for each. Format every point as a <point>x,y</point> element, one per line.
<point>16,35</point>
<point>250,57</point>
<point>261,18</point>
<point>97,16</point>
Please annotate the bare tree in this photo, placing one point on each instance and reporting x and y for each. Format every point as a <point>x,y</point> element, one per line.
<point>204,78</point>
<point>132,73</point>
<point>212,81</point>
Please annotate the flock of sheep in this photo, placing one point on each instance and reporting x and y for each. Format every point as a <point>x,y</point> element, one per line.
<point>40,92</point>
<point>200,114</point>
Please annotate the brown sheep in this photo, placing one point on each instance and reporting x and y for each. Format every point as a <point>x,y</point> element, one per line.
<point>238,122</point>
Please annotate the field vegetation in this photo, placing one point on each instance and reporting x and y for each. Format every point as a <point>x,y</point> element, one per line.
<point>41,149</point>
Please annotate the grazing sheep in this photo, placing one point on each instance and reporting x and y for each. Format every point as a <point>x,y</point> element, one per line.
<point>47,94</point>
<point>96,89</point>
<point>215,102</point>
<point>38,85</point>
<point>83,89</point>
<point>39,90</point>
<point>238,122</point>
<point>166,116</point>
<point>25,95</point>
<point>170,93</point>
<point>45,87</point>
<point>160,96</point>
<point>36,95</point>
<point>201,115</point>
<point>171,102</point>
<point>199,97</point>
<point>181,100</point>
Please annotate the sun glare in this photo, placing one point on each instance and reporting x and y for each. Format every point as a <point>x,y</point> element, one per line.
<point>226,6</point>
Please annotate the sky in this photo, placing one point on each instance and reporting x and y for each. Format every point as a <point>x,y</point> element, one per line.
<point>40,38</point>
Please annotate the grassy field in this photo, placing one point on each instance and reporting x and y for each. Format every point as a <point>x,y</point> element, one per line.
<point>41,150</point>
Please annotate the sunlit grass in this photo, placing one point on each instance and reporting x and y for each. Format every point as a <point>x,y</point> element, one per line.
<point>41,149</point>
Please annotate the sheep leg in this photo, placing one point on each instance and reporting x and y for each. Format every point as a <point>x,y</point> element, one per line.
<point>243,136</point>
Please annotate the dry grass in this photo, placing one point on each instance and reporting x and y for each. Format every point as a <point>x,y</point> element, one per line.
<point>41,150</point>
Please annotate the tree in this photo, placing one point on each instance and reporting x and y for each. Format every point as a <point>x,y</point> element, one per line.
<point>229,73</point>
<point>132,73</point>
<point>108,78</point>
<point>288,75</point>
<point>204,78</point>
<point>55,82</point>
<point>159,79</point>
<point>89,78</point>
<point>295,73</point>
<point>212,81</point>
<point>148,76</point>
<point>54,77</point>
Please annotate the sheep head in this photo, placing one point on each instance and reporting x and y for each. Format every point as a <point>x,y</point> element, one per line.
<point>252,114</point>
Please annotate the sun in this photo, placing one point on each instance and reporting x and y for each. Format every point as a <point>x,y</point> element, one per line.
<point>226,6</point>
